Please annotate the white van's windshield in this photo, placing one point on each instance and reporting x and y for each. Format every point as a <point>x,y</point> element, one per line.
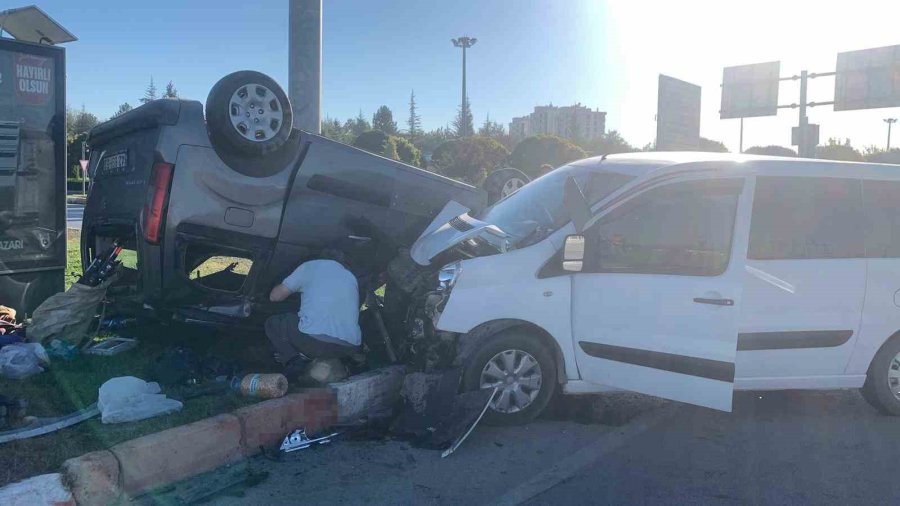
<point>537,208</point>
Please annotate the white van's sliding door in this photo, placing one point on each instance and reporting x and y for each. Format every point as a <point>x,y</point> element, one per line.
<point>655,308</point>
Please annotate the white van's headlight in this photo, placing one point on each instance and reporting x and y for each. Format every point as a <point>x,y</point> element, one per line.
<point>447,276</point>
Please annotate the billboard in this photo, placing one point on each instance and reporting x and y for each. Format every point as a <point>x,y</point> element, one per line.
<point>32,157</point>
<point>677,115</point>
<point>867,79</point>
<point>750,90</point>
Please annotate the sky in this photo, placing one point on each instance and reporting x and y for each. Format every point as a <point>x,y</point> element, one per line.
<point>606,55</point>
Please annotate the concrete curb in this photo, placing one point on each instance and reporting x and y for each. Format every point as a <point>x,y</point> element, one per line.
<point>137,466</point>
<point>134,467</point>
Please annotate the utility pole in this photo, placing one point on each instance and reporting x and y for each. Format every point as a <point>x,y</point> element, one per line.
<point>464,42</point>
<point>889,121</point>
<point>305,63</point>
<point>741,144</point>
<point>803,146</point>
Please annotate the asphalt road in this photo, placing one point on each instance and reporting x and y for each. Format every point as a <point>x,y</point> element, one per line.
<point>74,213</point>
<point>775,448</point>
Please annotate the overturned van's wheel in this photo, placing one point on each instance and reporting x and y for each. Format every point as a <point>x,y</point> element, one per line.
<point>248,114</point>
<point>521,368</point>
<point>882,387</point>
<point>503,182</point>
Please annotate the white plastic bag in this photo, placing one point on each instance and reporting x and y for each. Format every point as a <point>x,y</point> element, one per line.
<point>128,399</point>
<point>21,360</point>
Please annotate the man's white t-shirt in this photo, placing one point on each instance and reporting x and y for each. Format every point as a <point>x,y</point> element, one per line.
<point>329,301</point>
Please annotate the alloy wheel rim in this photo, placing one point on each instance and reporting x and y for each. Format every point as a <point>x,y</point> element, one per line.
<point>255,112</point>
<point>894,376</point>
<point>516,375</point>
<point>511,186</point>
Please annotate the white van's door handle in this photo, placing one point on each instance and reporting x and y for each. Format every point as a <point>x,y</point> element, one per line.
<point>715,302</point>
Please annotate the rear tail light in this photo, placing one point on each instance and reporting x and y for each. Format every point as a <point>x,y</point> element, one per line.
<point>155,205</point>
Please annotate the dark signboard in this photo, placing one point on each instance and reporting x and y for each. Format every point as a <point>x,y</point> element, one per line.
<point>750,90</point>
<point>677,115</point>
<point>867,79</point>
<point>32,157</point>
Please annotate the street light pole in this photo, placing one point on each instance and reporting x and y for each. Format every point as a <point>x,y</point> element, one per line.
<point>889,121</point>
<point>464,42</point>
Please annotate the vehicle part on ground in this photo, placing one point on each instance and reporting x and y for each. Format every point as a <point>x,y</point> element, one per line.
<point>462,438</point>
<point>248,113</point>
<point>298,440</point>
<point>112,346</point>
<point>502,183</point>
<point>498,361</point>
<point>882,387</point>
<point>47,425</point>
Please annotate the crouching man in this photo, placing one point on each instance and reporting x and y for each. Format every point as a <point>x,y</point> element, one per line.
<point>327,324</point>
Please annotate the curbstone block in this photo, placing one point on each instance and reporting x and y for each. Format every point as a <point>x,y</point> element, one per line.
<point>93,477</point>
<point>365,393</point>
<point>266,423</point>
<point>178,453</point>
<point>46,489</point>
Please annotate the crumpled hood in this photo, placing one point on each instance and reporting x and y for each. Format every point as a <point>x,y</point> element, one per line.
<point>450,227</point>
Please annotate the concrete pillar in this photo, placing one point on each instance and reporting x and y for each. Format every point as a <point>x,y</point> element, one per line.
<point>305,62</point>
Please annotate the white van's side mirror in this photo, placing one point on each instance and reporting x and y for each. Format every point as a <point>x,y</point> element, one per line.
<point>573,253</point>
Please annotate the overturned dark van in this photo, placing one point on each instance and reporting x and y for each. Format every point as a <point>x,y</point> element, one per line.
<point>217,210</point>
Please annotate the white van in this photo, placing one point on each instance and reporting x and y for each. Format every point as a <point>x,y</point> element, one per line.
<point>679,275</point>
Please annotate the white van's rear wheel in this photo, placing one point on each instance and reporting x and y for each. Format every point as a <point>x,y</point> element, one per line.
<point>522,370</point>
<point>882,387</point>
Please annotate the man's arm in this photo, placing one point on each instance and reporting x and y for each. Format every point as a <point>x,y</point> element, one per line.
<point>279,293</point>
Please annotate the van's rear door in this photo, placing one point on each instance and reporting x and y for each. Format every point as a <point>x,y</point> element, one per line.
<point>122,155</point>
<point>655,308</point>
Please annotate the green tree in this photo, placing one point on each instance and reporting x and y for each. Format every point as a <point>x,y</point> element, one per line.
<point>333,129</point>
<point>357,126</point>
<point>407,152</point>
<point>496,131</point>
<point>150,94</point>
<point>876,155</point>
<point>837,150</point>
<point>427,142</point>
<point>711,146</point>
<point>170,92</point>
<point>378,142</point>
<point>383,120</point>
<point>468,159</point>
<point>73,154</point>
<point>414,123</point>
<point>535,151</point>
<point>609,143</point>
<point>770,150</point>
<point>78,122</point>
<point>123,108</point>
<point>463,124</point>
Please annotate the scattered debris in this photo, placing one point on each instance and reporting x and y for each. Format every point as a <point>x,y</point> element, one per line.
<point>21,360</point>
<point>12,412</point>
<point>41,426</point>
<point>298,440</point>
<point>266,386</point>
<point>112,346</point>
<point>326,370</point>
<point>129,399</point>
<point>462,438</point>
<point>434,414</point>
<point>63,350</point>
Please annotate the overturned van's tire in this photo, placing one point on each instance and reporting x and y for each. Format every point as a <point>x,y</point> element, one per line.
<point>248,115</point>
<point>522,368</point>
<point>503,182</point>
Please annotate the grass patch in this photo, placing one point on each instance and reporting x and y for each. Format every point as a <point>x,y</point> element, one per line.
<point>68,386</point>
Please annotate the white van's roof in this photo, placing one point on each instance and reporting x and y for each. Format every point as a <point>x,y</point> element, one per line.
<point>644,163</point>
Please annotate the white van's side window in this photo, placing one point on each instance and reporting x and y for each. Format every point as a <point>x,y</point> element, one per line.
<point>681,229</point>
<point>882,206</point>
<point>806,217</point>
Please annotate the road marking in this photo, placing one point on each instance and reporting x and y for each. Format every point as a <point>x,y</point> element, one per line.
<point>569,467</point>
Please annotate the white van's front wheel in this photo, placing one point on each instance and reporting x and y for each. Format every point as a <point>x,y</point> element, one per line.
<point>882,387</point>
<point>521,368</point>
